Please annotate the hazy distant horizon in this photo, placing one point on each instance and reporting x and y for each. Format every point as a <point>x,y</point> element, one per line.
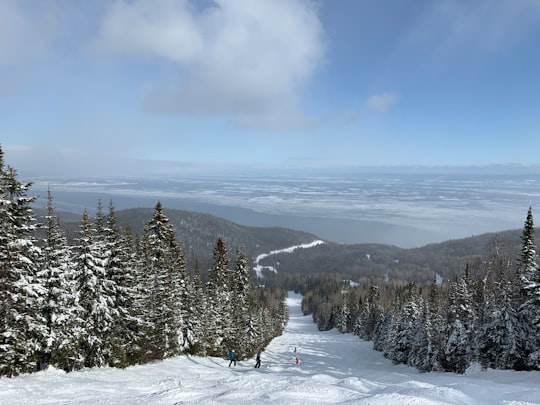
<point>402,209</point>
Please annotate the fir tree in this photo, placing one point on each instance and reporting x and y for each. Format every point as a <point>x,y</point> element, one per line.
<point>218,299</point>
<point>120,274</point>
<point>22,326</point>
<point>94,294</point>
<point>461,347</point>
<point>529,298</point>
<point>166,273</point>
<point>59,306</point>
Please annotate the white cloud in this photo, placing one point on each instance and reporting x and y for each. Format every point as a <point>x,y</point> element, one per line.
<point>239,58</point>
<point>380,103</point>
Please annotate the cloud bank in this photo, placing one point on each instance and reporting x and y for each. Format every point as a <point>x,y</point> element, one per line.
<point>241,59</point>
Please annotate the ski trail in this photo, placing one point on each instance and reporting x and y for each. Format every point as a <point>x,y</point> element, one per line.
<point>259,268</point>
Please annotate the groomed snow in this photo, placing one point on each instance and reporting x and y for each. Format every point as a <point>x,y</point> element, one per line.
<point>334,369</point>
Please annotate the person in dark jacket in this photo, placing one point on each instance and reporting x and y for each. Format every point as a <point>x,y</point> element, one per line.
<point>258,358</point>
<point>232,357</point>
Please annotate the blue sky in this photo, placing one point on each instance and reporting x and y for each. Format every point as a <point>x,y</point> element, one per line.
<point>130,87</point>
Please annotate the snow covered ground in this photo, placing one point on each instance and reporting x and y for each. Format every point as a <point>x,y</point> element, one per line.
<point>334,368</point>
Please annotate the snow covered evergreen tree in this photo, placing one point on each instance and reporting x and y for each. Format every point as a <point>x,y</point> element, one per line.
<point>197,313</point>
<point>22,326</point>
<point>95,293</point>
<point>529,299</point>
<point>120,274</point>
<point>426,347</point>
<point>240,285</point>
<point>60,342</point>
<point>461,346</point>
<point>165,267</point>
<point>403,326</point>
<point>218,298</point>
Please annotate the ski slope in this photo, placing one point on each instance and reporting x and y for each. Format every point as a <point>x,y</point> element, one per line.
<point>334,369</point>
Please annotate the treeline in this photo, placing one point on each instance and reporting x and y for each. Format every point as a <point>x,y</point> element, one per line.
<point>373,261</point>
<point>114,298</point>
<point>489,315</point>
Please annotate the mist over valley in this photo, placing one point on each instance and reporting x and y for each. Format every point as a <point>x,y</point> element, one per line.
<point>405,210</point>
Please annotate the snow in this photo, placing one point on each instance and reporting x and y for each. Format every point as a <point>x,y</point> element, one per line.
<point>259,268</point>
<point>334,369</point>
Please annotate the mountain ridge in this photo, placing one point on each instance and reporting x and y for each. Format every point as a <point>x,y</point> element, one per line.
<point>197,233</point>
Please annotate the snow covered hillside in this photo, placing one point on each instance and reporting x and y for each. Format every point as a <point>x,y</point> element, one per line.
<point>334,368</point>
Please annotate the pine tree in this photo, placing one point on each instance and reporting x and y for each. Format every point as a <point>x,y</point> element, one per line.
<point>499,336</point>
<point>198,314</point>
<point>426,348</point>
<point>218,299</point>
<point>239,304</point>
<point>120,275</point>
<point>529,299</point>
<point>59,305</point>
<point>166,282</point>
<point>94,292</point>
<point>21,325</point>
<point>404,327</point>
<point>461,347</point>
<point>498,332</point>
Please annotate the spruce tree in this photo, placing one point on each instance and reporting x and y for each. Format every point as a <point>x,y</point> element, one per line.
<point>218,299</point>
<point>529,298</point>
<point>22,326</point>
<point>165,267</point>
<point>94,294</point>
<point>461,347</point>
<point>59,305</point>
<point>120,274</point>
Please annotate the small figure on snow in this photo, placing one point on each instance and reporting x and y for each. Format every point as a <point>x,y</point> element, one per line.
<point>297,360</point>
<point>232,357</point>
<point>258,358</point>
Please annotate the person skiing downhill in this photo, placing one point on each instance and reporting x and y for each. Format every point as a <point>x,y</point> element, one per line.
<point>258,358</point>
<point>232,357</point>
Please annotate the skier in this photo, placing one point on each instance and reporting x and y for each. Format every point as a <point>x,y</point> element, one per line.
<point>232,357</point>
<point>258,358</point>
<point>297,360</point>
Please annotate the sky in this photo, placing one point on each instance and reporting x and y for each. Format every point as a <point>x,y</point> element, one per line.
<point>334,368</point>
<point>116,87</point>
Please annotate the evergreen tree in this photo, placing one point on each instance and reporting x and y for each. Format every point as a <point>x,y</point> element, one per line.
<point>120,274</point>
<point>404,328</point>
<point>59,308</point>
<point>166,274</point>
<point>461,347</point>
<point>529,299</point>
<point>94,293</point>
<point>198,314</point>
<point>499,334</point>
<point>426,345</point>
<point>240,306</point>
<point>218,299</point>
<point>21,325</point>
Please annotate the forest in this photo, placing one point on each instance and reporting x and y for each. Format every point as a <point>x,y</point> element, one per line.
<point>113,298</point>
<point>488,315</point>
<point>102,293</point>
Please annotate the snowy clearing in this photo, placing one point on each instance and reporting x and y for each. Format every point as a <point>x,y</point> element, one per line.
<point>334,368</point>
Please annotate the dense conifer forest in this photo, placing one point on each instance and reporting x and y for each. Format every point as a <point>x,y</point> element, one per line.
<point>488,315</point>
<point>117,292</point>
<point>114,298</point>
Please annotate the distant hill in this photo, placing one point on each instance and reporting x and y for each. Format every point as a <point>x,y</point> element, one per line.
<point>198,232</point>
<point>354,262</point>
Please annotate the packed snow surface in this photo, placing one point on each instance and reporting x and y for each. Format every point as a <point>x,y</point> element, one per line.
<point>333,369</point>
